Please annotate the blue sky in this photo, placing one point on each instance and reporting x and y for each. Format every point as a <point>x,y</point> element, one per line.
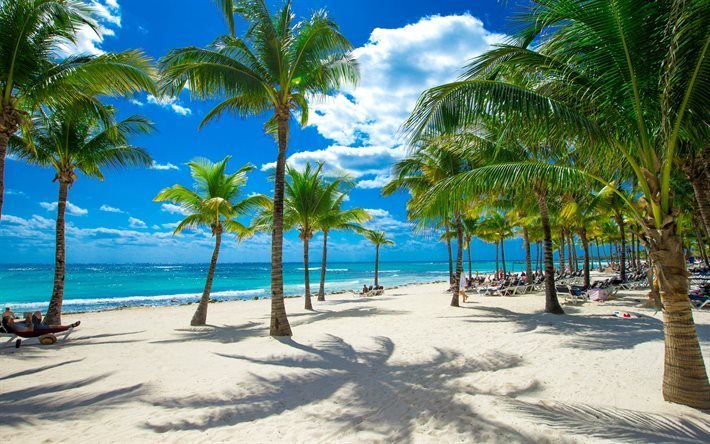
<point>403,48</point>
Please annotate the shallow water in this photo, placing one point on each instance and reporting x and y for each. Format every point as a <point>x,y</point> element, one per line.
<point>91,287</point>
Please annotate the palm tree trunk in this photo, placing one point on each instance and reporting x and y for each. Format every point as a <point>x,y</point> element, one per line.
<point>54,312</point>
<point>685,379</point>
<point>470,275</point>
<point>538,250</point>
<point>324,263</point>
<point>377,264</point>
<point>633,250</point>
<point>570,253</point>
<point>497,262</point>
<point>585,248</point>
<point>528,258</point>
<point>699,181</point>
<point>561,249</point>
<point>701,247</point>
<point>599,256</point>
<point>200,316</point>
<point>10,119</point>
<point>459,263</point>
<point>502,255</point>
<point>306,274</point>
<point>552,305</point>
<point>3,154</point>
<point>622,254</point>
<point>279,321</point>
<point>451,257</point>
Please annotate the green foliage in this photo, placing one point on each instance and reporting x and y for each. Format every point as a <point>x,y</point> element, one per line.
<point>77,138</point>
<point>276,65</point>
<point>215,198</point>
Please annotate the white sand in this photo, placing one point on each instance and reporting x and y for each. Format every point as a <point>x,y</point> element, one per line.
<point>403,367</point>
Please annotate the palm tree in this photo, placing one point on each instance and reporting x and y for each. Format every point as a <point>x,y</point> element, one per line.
<point>625,80</point>
<point>378,238</point>
<point>429,164</point>
<point>581,213</point>
<point>214,202</point>
<point>497,225</point>
<point>308,199</point>
<point>274,68</point>
<point>71,139</point>
<point>32,32</point>
<point>337,218</point>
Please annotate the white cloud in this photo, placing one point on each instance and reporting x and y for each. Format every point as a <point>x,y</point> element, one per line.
<point>378,182</point>
<point>136,223</point>
<point>136,102</point>
<point>382,220</point>
<point>355,161</point>
<point>110,209</point>
<point>37,229</point>
<point>163,166</point>
<point>108,16</point>
<point>11,192</point>
<point>71,208</point>
<point>170,226</point>
<point>174,209</point>
<point>396,66</point>
<point>169,102</point>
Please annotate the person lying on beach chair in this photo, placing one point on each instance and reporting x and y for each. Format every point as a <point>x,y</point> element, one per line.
<point>32,327</point>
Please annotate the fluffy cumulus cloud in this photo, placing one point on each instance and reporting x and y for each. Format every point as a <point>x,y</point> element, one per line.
<point>163,166</point>
<point>354,161</point>
<point>109,209</point>
<point>71,208</point>
<point>174,209</point>
<point>396,65</point>
<point>134,222</point>
<point>107,14</point>
<point>382,220</point>
<point>169,103</point>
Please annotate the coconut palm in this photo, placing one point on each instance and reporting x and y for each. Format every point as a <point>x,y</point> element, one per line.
<point>379,238</point>
<point>337,218</point>
<point>275,68</point>
<point>32,33</point>
<point>626,80</point>
<point>214,203</point>
<point>429,164</point>
<point>71,140</point>
<point>308,199</point>
<point>582,212</point>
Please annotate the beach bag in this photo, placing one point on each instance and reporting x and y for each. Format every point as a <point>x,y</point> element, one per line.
<point>598,294</point>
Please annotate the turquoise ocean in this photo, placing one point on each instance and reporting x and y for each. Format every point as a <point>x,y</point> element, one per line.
<point>26,287</point>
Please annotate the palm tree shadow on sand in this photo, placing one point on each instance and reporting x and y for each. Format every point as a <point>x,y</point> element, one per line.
<point>369,393</point>
<point>616,424</point>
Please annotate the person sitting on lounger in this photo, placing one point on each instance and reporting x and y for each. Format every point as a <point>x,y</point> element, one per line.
<point>30,326</point>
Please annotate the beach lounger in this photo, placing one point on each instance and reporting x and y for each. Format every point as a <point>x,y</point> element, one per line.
<point>571,294</point>
<point>45,336</point>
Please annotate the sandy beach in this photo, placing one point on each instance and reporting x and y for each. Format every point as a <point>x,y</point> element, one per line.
<point>402,367</point>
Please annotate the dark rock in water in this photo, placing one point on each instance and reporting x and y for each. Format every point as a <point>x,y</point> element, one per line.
<point>173,300</point>
<point>256,298</point>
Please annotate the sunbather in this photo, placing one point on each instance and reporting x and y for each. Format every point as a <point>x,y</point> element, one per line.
<point>31,328</point>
